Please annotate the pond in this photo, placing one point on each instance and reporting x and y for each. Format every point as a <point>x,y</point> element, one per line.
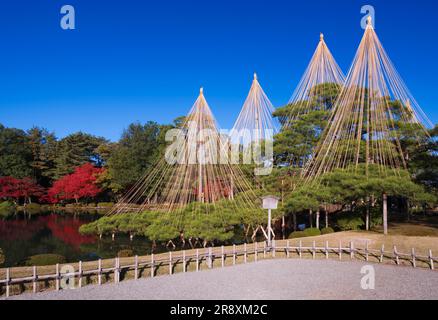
<point>58,233</point>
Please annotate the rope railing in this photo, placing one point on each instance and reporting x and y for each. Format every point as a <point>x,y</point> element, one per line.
<point>220,255</point>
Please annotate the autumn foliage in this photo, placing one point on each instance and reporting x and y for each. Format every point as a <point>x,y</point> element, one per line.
<point>78,185</point>
<point>17,189</point>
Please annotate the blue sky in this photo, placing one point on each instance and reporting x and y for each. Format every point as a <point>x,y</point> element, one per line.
<point>136,60</point>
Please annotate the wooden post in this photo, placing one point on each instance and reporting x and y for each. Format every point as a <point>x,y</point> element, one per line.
<point>326,250</point>
<point>210,257</point>
<point>99,272</point>
<point>313,250</point>
<point>431,260</point>
<point>385,214</point>
<point>287,249</point>
<point>170,262</point>
<point>8,282</point>
<point>300,249</point>
<point>116,270</point>
<point>244,253</point>
<point>256,252</point>
<point>366,251</point>
<point>351,250</point>
<point>58,278</point>
<point>80,274</point>
<point>35,279</point>
<point>197,259</point>
<point>136,267</point>
<point>340,249</point>
<point>382,253</point>
<point>234,254</point>
<point>264,250</point>
<point>222,256</point>
<point>184,261</point>
<point>273,248</point>
<point>414,259</point>
<point>397,260</point>
<point>152,266</point>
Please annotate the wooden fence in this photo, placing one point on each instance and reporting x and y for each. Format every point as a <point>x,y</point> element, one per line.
<point>219,256</point>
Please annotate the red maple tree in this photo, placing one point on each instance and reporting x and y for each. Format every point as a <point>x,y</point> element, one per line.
<point>78,185</point>
<point>16,189</point>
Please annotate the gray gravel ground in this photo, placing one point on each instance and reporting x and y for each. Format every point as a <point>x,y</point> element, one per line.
<point>264,280</point>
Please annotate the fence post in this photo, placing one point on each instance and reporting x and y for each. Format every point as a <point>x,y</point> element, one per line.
<point>414,261</point>
<point>116,270</point>
<point>234,254</point>
<point>210,255</point>
<point>273,248</point>
<point>8,281</point>
<point>197,259</point>
<point>382,252</point>
<point>57,277</point>
<point>136,267</point>
<point>152,266</point>
<point>397,261</point>
<point>366,251</point>
<point>326,250</point>
<point>222,256</point>
<point>300,249</point>
<point>340,249</point>
<point>170,262</point>
<point>244,252</point>
<point>431,260</point>
<point>256,252</point>
<point>313,250</point>
<point>99,272</point>
<point>351,250</point>
<point>287,249</point>
<point>184,261</point>
<point>264,250</point>
<point>35,278</point>
<point>80,274</point>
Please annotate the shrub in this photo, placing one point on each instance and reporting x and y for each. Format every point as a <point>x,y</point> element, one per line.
<point>2,257</point>
<point>105,204</point>
<point>350,223</point>
<point>125,253</point>
<point>312,232</point>
<point>7,209</point>
<point>327,230</point>
<point>33,208</point>
<point>45,260</point>
<point>297,234</point>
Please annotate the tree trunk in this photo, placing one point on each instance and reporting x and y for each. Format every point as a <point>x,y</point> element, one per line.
<point>408,212</point>
<point>294,218</point>
<point>385,213</point>
<point>326,219</point>
<point>311,218</point>
<point>317,219</point>
<point>283,227</point>
<point>367,215</point>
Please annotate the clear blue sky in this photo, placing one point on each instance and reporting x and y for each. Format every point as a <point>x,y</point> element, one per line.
<point>136,60</point>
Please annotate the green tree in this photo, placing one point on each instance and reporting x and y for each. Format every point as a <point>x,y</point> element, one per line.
<point>76,150</point>
<point>43,147</point>
<point>15,154</point>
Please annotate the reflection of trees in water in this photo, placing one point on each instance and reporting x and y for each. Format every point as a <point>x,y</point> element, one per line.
<point>59,234</point>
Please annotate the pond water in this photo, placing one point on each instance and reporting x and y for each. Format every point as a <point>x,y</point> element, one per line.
<point>58,233</point>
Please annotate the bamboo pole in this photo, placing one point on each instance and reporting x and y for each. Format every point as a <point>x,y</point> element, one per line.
<point>136,267</point>
<point>222,256</point>
<point>34,280</point>
<point>152,266</point>
<point>80,274</point>
<point>58,278</point>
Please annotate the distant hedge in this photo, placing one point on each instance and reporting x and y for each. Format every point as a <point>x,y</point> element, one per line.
<point>45,260</point>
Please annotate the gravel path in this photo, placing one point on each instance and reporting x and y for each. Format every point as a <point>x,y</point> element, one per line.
<point>269,279</point>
